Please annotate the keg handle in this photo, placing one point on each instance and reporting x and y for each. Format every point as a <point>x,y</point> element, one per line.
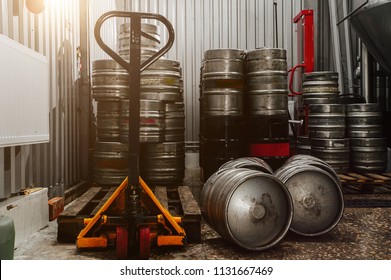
<point>134,16</point>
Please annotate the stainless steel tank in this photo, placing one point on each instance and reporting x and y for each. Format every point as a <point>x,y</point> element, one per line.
<point>372,24</point>
<point>249,208</point>
<point>317,197</point>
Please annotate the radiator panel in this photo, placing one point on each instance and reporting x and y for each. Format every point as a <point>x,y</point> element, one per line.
<point>24,95</point>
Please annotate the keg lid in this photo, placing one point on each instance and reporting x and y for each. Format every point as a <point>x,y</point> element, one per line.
<point>317,199</point>
<point>258,211</point>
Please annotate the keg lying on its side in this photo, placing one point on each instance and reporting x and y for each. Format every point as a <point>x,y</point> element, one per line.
<point>316,193</point>
<point>248,207</point>
<point>250,163</point>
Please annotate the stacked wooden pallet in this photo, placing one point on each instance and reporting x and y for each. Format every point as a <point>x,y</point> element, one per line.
<point>366,182</point>
<point>179,201</point>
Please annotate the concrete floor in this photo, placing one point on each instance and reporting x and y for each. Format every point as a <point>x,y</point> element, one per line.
<point>362,233</point>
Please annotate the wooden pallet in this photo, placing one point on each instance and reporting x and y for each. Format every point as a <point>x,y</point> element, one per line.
<point>179,201</point>
<point>71,220</point>
<point>366,182</point>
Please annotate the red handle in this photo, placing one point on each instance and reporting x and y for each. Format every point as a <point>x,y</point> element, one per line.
<point>291,80</point>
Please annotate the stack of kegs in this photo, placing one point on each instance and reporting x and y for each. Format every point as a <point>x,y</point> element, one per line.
<point>266,103</point>
<point>326,126</point>
<point>221,107</point>
<point>318,88</point>
<point>368,149</point>
<point>110,86</point>
<point>162,118</point>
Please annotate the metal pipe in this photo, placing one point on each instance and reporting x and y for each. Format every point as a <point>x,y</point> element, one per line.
<point>275,22</point>
<point>348,49</point>
<point>336,43</point>
<point>300,122</point>
<point>366,74</point>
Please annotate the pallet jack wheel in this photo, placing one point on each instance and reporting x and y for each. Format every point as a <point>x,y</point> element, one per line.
<point>122,243</point>
<point>145,242</point>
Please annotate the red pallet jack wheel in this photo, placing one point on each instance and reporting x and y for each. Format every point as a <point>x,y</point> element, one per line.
<point>145,242</point>
<point>122,243</point>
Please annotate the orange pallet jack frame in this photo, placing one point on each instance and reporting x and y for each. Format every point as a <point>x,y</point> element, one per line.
<point>132,218</point>
<point>108,226</point>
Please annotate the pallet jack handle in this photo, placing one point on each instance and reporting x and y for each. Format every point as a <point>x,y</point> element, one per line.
<point>135,19</point>
<point>134,88</point>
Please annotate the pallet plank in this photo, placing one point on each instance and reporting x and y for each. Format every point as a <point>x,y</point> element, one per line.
<point>161,195</point>
<point>378,177</point>
<point>103,200</point>
<point>191,214</point>
<point>190,206</point>
<point>359,177</point>
<point>344,177</point>
<point>80,203</point>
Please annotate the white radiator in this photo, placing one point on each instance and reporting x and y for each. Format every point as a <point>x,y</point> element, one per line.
<point>24,95</point>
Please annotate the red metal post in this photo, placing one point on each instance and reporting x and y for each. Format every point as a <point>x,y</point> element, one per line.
<point>306,19</point>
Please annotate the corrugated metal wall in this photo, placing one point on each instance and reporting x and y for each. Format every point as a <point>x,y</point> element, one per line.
<point>199,25</point>
<point>55,34</point>
<point>211,24</point>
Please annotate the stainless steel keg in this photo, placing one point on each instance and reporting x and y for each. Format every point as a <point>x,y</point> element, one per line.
<point>316,194</point>
<point>250,208</point>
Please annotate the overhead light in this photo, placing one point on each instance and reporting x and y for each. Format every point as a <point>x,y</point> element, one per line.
<point>35,6</point>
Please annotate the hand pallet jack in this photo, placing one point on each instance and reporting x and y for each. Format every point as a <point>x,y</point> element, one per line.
<point>132,218</point>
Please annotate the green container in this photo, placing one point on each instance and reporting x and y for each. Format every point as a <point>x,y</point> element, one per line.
<point>7,238</point>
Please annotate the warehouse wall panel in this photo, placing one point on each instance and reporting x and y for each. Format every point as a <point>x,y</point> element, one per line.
<point>55,34</point>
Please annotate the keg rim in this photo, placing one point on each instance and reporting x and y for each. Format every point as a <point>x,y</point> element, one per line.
<point>337,187</point>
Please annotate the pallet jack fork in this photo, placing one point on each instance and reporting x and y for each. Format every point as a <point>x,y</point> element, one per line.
<point>132,218</point>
